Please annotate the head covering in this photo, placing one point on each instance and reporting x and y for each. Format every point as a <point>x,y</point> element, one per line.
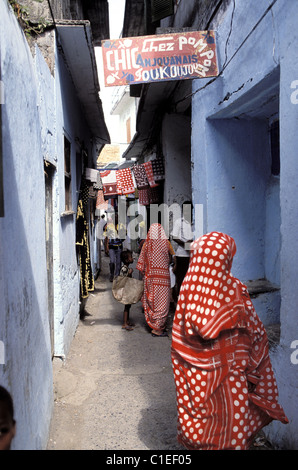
<point>155,255</point>
<point>211,303</point>
<point>210,294</point>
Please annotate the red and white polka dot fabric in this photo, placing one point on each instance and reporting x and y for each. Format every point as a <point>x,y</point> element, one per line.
<point>125,184</point>
<point>149,174</point>
<point>153,262</point>
<point>226,389</point>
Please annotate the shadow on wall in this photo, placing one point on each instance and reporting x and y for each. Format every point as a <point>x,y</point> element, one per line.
<point>24,324</point>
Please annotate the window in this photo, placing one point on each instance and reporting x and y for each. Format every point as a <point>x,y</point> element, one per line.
<point>67,174</point>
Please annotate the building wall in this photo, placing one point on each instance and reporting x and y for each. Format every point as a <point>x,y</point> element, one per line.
<point>176,133</point>
<point>61,117</point>
<point>232,167</point>
<point>40,108</point>
<point>284,358</point>
<point>24,325</point>
<point>125,107</point>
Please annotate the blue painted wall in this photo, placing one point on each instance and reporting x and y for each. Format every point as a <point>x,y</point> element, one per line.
<point>24,326</point>
<point>39,110</point>
<point>231,116</point>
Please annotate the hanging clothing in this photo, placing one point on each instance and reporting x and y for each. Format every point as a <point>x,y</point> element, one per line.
<point>98,184</point>
<point>158,169</point>
<point>154,262</point>
<point>226,389</point>
<point>144,197</point>
<point>140,176</point>
<point>125,184</point>
<point>82,243</point>
<point>101,203</point>
<point>109,182</point>
<point>149,174</point>
<point>148,196</point>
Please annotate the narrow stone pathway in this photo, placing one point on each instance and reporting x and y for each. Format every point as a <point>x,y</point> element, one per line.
<point>115,390</point>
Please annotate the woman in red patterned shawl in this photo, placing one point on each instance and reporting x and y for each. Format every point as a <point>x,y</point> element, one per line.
<point>226,389</point>
<point>154,264</point>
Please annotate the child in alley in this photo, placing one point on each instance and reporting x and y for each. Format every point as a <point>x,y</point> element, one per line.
<point>126,259</point>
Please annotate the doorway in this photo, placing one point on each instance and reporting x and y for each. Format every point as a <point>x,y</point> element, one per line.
<point>49,170</point>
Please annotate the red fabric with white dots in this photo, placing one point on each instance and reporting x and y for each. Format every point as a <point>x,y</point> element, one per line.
<point>219,345</point>
<point>153,262</point>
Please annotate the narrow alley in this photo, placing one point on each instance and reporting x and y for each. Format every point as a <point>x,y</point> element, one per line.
<point>121,115</point>
<point>115,390</point>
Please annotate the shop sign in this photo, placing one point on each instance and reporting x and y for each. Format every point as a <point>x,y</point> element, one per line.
<point>145,59</point>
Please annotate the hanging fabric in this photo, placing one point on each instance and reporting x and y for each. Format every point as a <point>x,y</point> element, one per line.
<point>144,198</point>
<point>101,203</point>
<point>149,174</point>
<point>140,176</point>
<point>109,182</point>
<point>98,184</point>
<point>158,169</point>
<point>82,242</point>
<point>154,195</point>
<point>125,184</point>
<point>148,196</point>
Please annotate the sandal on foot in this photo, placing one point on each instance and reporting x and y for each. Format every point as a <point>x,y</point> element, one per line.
<point>127,327</point>
<point>164,333</point>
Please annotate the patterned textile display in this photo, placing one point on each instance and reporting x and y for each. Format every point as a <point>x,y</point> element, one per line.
<point>149,174</point>
<point>82,243</point>
<point>140,176</point>
<point>125,184</point>
<point>148,196</point>
<point>101,203</point>
<point>98,184</point>
<point>144,197</point>
<point>154,264</point>
<point>109,182</point>
<point>154,195</point>
<point>225,385</point>
<point>158,169</point>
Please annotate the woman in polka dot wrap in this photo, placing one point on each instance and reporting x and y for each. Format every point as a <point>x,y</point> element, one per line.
<point>154,263</point>
<point>226,389</point>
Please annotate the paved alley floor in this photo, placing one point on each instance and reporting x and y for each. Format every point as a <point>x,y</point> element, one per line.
<point>115,389</point>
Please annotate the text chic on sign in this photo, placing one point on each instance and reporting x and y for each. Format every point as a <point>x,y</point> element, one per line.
<point>147,59</point>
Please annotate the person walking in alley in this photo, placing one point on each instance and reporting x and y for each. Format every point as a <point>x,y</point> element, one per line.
<point>113,247</point>
<point>101,224</point>
<point>226,389</point>
<point>153,263</point>
<point>182,234</point>
<point>127,259</point>
<point>7,422</point>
